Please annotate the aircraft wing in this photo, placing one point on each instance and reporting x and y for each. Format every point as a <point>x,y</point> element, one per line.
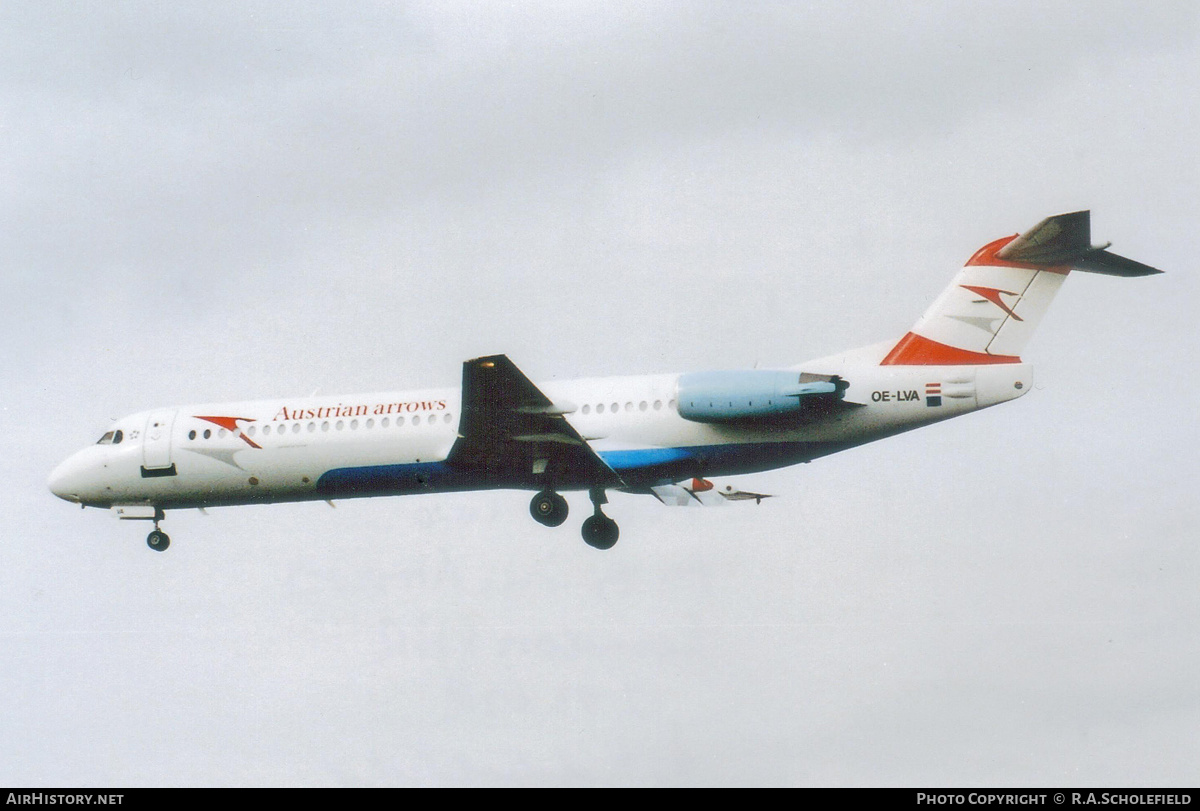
<point>511,431</point>
<point>703,492</point>
<point>728,492</point>
<point>743,495</point>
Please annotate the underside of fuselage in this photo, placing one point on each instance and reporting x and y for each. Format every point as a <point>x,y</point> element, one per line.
<point>638,469</point>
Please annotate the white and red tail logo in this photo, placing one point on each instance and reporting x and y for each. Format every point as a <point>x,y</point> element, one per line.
<point>985,316</point>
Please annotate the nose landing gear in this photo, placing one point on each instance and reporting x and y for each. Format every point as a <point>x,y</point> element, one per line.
<point>157,539</point>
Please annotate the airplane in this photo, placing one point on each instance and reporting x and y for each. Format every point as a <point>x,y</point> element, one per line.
<point>638,434</point>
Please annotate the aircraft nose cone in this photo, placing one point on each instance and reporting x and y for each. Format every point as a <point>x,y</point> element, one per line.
<point>59,482</point>
<point>68,480</point>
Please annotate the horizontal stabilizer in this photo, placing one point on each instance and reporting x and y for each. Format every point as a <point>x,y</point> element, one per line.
<point>1111,264</point>
<point>1066,239</point>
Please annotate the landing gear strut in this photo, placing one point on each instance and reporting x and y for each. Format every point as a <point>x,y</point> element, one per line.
<point>157,539</point>
<point>548,508</point>
<point>599,531</point>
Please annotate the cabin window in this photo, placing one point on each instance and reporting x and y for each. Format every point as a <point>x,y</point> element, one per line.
<point>191,434</point>
<point>600,408</point>
<point>370,423</point>
<point>312,426</point>
<point>383,423</point>
<point>616,407</point>
<point>399,421</point>
<point>643,405</point>
<point>266,430</point>
<point>658,405</point>
<point>445,419</point>
<point>587,409</point>
<point>340,425</point>
<point>295,427</point>
<point>353,425</point>
<point>251,430</point>
<point>417,419</point>
<point>629,406</point>
<point>208,433</point>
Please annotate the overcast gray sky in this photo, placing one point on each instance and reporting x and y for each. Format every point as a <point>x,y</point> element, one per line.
<point>207,201</point>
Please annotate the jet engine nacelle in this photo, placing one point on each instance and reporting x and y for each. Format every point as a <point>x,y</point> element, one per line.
<point>754,394</point>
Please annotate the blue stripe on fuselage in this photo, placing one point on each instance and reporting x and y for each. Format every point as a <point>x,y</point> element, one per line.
<point>421,477</point>
<point>657,465</point>
<point>641,467</point>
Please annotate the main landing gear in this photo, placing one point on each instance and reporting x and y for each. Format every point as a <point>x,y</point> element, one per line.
<point>599,531</point>
<point>550,509</point>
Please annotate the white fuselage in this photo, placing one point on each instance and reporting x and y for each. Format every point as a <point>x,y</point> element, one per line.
<point>299,449</point>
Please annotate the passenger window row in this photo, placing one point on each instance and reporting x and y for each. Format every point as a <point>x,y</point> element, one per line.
<point>614,408</point>
<point>313,426</point>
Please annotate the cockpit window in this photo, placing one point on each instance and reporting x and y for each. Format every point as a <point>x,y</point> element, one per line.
<point>117,437</point>
<point>111,438</point>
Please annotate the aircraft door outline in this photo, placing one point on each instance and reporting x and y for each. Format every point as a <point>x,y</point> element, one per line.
<point>156,444</point>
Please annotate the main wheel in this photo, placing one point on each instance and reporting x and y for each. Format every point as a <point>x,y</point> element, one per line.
<point>158,540</point>
<point>548,508</point>
<point>600,532</point>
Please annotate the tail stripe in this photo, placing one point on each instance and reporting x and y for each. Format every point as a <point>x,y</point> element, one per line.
<point>917,350</point>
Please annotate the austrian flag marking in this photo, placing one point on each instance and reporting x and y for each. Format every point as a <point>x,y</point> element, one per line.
<point>933,394</point>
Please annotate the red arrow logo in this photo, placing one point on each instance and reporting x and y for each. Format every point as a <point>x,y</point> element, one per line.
<point>231,424</point>
<point>993,295</point>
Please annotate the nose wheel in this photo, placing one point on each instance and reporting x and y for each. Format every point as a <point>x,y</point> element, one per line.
<point>158,540</point>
